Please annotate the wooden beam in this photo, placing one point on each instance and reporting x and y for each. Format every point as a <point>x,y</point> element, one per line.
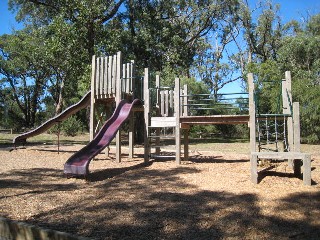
<point>215,119</point>
<point>177,115</point>
<point>252,113</point>
<point>92,106</point>
<point>118,99</point>
<point>146,114</point>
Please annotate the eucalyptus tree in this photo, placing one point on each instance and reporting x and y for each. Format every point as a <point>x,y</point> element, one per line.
<point>300,53</point>
<point>167,34</point>
<point>23,77</point>
<point>68,33</point>
<point>86,16</point>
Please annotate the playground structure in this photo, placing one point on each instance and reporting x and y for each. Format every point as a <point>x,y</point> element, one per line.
<point>175,108</point>
<point>111,83</point>
<point>169,112</point>
<point>273,128</point>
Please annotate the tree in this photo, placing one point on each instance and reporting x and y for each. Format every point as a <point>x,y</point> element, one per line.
<point>300,53</point>
<point>70,30</point>
<point>21,62</point>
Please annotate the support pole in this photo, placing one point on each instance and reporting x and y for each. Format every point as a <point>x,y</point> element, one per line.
<point>287,105</point>
<point>307,170</point>
<point>296,126</point>
<point>177,115</point>
<point>252,114</point>
<point>92,105</point>
<point>252,126</point>
<point>254,169</point>
<point>131,137</point>
<point>118,99</point>
<point>186,144</point>
<point>297,164</point>
<point>146,115</point>
<point>157,150</point>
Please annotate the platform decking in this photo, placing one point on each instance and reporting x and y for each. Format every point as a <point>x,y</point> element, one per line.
<point>214,119</point>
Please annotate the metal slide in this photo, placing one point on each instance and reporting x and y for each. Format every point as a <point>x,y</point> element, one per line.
<point>78,163</point>
<point>85,101</point>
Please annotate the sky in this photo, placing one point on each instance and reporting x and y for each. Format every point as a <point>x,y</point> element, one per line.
<point>289,10</point>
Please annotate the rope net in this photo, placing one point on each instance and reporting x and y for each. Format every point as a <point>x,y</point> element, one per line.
<point>272,134</point>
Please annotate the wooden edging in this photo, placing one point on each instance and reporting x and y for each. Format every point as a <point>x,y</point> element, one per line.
<point>22,231</point>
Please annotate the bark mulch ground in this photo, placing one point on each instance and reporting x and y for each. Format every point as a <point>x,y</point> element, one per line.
<point>210,196</point>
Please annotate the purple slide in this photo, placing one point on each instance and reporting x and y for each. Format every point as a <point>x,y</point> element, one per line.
<point>85,101</point>
<point>78,163</point>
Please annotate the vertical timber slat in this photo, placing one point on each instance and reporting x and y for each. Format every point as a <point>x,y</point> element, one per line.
<point>185,100</point>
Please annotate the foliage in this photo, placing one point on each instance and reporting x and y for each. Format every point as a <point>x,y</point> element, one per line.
<point>207,44</point>
<point>70,127</point>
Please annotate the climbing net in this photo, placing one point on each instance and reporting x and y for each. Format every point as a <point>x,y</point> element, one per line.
<point>272,133</point>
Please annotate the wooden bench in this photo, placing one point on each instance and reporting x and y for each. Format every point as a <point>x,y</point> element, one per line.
<point>297,156</point>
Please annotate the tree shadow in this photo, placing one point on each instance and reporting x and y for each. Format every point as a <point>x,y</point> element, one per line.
<point>104,174</point>
<point>32,181</point>
<point>269,172</point>
<point>143,202</point>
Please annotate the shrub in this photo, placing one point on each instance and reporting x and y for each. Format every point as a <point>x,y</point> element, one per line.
<point>71,126</point>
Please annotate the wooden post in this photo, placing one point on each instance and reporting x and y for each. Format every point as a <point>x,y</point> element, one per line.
<point>177,115</point>
<point>307,170</point>
<point>118,99</point>
<point>252,126</point>
<point>92,107</point>
<point>287,104</point>
<point>296,139</point>
<point>131,138</point>
<point>146,114</point>
<point>252,114</point>
<point>254,169</point>
<point>132,79</point>
<point>186,144</point>
<point>131,120</point>
<point>162,104</point>
<point>288,110</point>
<point>166,103</point>
<point>157,150</point>
<point>296,127</point>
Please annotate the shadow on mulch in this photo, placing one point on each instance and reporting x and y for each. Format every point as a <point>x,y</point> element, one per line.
<point>104,174</point>
<point>160,204</point>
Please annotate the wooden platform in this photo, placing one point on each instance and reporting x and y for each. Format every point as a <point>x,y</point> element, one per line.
<point>214,119</point>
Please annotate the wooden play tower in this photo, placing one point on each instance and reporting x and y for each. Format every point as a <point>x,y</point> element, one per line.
<point>169,112</point>
<point>277,129</point>
<point>170,108</point>
<point>111,81</point>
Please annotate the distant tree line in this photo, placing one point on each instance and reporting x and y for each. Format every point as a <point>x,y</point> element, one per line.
<point>45,67</point>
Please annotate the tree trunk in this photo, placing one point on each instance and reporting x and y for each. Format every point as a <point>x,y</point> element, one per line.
<point>60,99</point>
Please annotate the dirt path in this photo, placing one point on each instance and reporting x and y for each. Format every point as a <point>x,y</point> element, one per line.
<point>208,197</point>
